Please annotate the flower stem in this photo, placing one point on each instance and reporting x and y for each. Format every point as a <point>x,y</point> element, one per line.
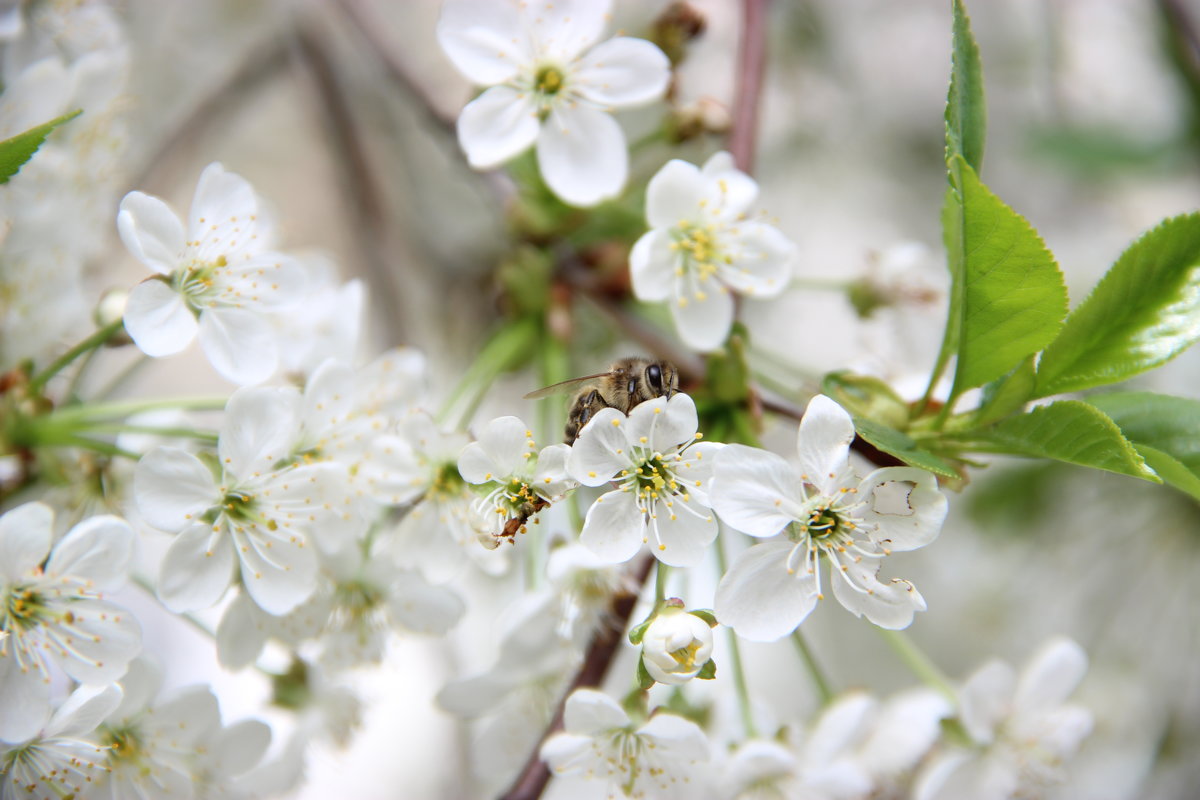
<point>735,655</point>
<point>919,663</point>
<point>751,64</point>
<point>498,355</point>
<point>660,584</point>
<point>814,669</point>
<point>126,407</point>
<point>154,430</point>
<point>98,338</point>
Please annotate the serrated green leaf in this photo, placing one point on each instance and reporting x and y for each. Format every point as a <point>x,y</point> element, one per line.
<point>1164,422</point>
<point>902,446</point>
<point>966,112</point>
<point>1070,431</point>
<point>706,615</point>
<point>1013,297</point>
<point>644,681</point>
<point>1144,312</point>
<point>708,671</point>
<point>1173,471</point>
<point>1005,395</point>
<point>866,396</point>
<point>19,149</point>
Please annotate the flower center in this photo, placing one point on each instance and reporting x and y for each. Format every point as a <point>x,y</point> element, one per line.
<point>700,247</point>
<point>548,80</point>
<point>447,482</point>
<point>23,609</point>
<point>685,657</point>
<point>196,282</point>
<point>124,743</point>
<point>652,477</point>
<point>822,523</point>
<point>357,598</point>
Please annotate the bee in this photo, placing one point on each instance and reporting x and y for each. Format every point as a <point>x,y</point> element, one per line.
<point>628,382</point>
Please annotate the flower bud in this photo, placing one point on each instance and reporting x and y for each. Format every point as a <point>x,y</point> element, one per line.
<point>676,646</point>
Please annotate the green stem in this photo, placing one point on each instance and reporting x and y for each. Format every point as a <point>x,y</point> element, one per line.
<point>814,669</point>
<point>99,446</point>
<point>128,407</point>
<point>119,379</point>
<point>498,355</point>
<point>822,284</point>
<point>661,573</point>
<point>182,433</point>
<point>90,343</point>
<point>735,656</point>
<point>919,663</point>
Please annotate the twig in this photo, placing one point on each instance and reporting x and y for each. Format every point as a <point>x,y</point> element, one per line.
<point>534,776</point>
<point>751,64</point>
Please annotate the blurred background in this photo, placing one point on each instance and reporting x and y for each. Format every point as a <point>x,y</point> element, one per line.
<point>341,114</point>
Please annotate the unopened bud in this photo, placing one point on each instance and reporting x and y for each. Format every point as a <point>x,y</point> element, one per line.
<point>676,646</point>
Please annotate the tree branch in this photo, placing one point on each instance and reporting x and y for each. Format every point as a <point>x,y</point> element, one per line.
<point>751,65</point>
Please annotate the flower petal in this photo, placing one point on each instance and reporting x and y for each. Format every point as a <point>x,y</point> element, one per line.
<point>915,519</point>
<point>602,449</point>
<point>224,217</point>
<point>652,265</point>
<point>1051,675</point>
<point>674,194</point>
<point>241,633</point>
<point>889,604</point>
<point>261,425</point>
<point>423,608</point>
<point>759,598</point>
<point>104,639</point>
<point>622,72</point>
<point>99,549</point>
<point>483,39</point>
<point>496,126</point>
<point>760,259</point>
<point>755,491</point>
<point>614,527</point>
<point>172,488</point>
<point>681,533</point>
<point>665,424</point>
<point>703,318</point>
<point>499,452</point>
<point>196,569</point>
<point>695,470</point>
<point>84,710</point>
<point>589,712</point>
<point>25,534</point>
<point>562,29</point>
<point>239,344</point>
<point>728,190</point>
<point>279,572</point>
<point>241,746</point>
<point>151,231</point>
<point>823,442</point>
<point>682,737</point>
<point>24,700</point>
<point>986,699</point>
<point>581,154</point>
<point>158,320</point>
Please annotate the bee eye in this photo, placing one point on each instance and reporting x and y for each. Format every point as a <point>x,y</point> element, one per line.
<point>654,376</point>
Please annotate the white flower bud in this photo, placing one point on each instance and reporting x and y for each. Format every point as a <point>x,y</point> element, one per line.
<point>676,646</point>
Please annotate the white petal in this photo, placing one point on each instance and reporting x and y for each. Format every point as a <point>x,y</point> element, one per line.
<point>498,453</point>
<point>566,753</point>
<point>196,569</point>
<point>823,442</point>
<point>280,577</point>
<point>24,539</point>
<point>172,488</point>
<point>889,604</point>
<point>986,699</point>
<point>562,29</point>
<point>140,685</point>
<point>472,697</point>
<point>622,72</point>
<point>483,39</point>
<point>760,260</point>
<point>916,520</point>
<point>614,527</point>
<point>261,425</point>
<point>241,746</point>
<point>665,424</point>
<point>84,710</point>
<point>239,344</point>
<point>680,534</point>
<point>158,320</point>
<point>24,701</point>
<point>589,712</point>
<point>754,491</point>
<point>266,281</point>
<point>496,126</point>
<point>674,194</point>
<point>224,217</point>
<point>703,324</point>
<point>838,728</point>
<point>683,738</point>
<point>727,189</point>
<point>187,718</point>
<point>695,470</point>
<point>652,265</point>
<point>422,608</point>
<point>759,599</point>
<point>151,231</point>
<point>551,477</point>
<point>1051,675</point>
<point>107,638</point>
<point>907,726</point>
<point>602,449</point>
<point>241,633</point>
<point>582,156</point>
<point>99,549</point>
<point>392,470</point>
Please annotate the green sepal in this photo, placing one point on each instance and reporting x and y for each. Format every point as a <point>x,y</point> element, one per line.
<point>708,671</point>
<point>644,681</point>
<point>15,152</point>
<point>706,615</point>
<point>637,705</point>
<point>638,631</point>
<point>868,397</point>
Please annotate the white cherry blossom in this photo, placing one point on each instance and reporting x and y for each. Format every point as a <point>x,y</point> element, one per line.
<point>662,471</point>
<point>826,512</point>
<point>551,86</point>
<point>256,508</point>
<point>702,246</point>
<point>216,278</point>
<point>1021,727</point>
<point>516,480</point>
<point>676,645</point>
<point>56,614</point>
<point>661,758</point>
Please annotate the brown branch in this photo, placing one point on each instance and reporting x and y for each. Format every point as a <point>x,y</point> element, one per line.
<point>605,644</point>
<point>751,64</point>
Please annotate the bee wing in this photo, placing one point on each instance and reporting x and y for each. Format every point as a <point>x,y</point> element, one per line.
<point>564,386</point>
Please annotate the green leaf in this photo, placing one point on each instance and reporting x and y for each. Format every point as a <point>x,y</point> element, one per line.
<point>644,681</point>
<point>1013,298</point>
<point>1165,430</point>
<point>1144,312</point>
<point>1171,470</point>
<point>966,112</point>
<point>866,396</point>
<point>1070,431</point>
<point>902,446</point>
<point>1005,395</point>
<point>16,151</point>
<point>708,671</point>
